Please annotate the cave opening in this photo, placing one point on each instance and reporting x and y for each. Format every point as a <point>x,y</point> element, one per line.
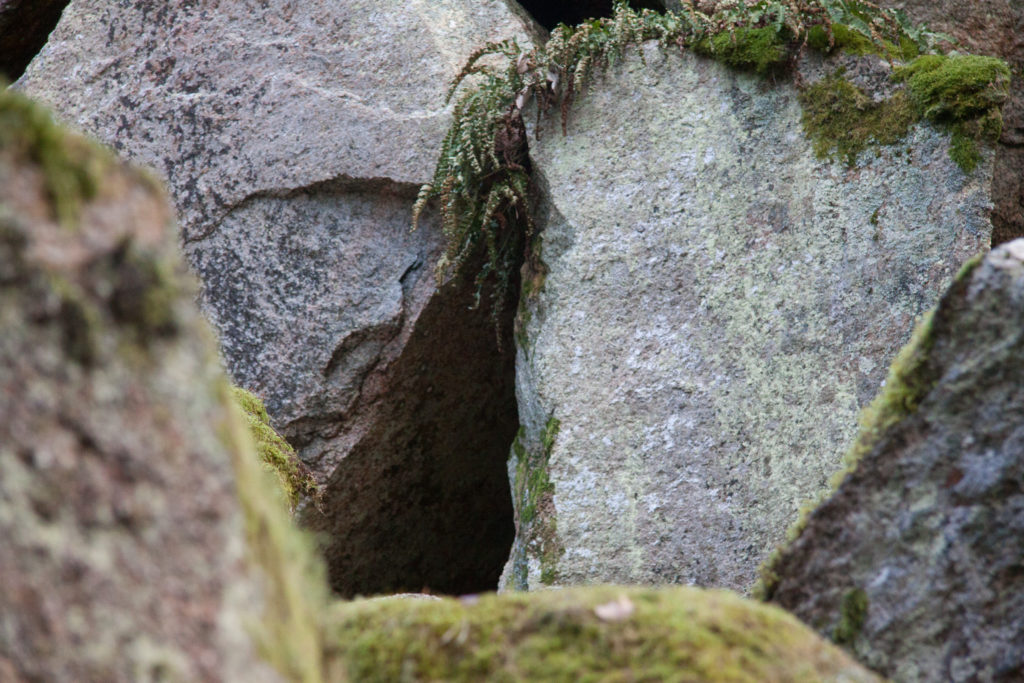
<point>571,12</point>
<point>423,503</point>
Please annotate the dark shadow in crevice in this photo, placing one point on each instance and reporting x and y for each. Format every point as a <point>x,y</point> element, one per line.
<point>25,26</point>
<point>423,501</point>
<point>572,12</point>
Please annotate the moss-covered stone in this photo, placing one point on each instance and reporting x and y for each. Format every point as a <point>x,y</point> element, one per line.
<point>842,120</point>
<point>534,502</point>
<point>289,633</point>
<point>854,611</point>
<point>276,454</point>
<point>584,634</point>
<point>69,164</point>
<point>962,93</point>
<point>755,49</point>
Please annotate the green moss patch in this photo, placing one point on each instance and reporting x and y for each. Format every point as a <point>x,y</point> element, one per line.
<point>842,120</point>
<point>69,163</point>
<point>534,502</point>
<point>583,634</point>
<point>754,49</point>
<point>963,93</point>
<point>276,454</point>
<point>853,612</point>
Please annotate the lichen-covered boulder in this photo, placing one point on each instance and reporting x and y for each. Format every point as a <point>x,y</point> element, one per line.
<point>602,633</point>
<point>715,304</point>
<point>139,541</point>
<point>915,561</point>
<point>294,138</point>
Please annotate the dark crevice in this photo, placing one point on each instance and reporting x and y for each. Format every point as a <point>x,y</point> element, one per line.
<point>25,26</point>
<point>423,502</point>
<point>572,12</point>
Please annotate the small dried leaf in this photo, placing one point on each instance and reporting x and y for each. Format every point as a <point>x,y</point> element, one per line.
<point>618,610</point>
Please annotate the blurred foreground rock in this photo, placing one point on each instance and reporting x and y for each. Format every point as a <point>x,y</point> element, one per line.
<point>139,542</point>
<point>916,562</point>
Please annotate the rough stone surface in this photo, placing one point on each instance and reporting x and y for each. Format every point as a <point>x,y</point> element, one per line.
<point>123,547</point>
<point>294,137</point>
<point>930,525</point>
<point>718,306</point>
<point>990,27</point>
<point>600,633</point>
<point>24,27</point>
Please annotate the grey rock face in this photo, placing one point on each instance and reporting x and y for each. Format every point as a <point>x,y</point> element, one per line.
<point>294,137</point>
<point>928,531</point>
<point>123,555</point>
<point>718,305</point>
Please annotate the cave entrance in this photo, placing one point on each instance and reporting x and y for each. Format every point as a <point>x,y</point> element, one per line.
<point>423,502</point>
<point>571,12</point>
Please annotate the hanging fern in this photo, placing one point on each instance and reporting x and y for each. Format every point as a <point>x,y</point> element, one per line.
<point>482,180</point>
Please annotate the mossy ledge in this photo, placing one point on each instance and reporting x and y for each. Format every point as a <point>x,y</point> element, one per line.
<point>482,180</point>
<point>960,93</point>
<point>597,633</point>
<point>276,454</point>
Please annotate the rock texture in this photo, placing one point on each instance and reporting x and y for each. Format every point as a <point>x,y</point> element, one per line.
<point>294,137</point>
<point>603,633</point>
<point>927,534</point>
<point>990,27</point>
<point>24,28</point>
<point>718,305</point>
<point>123,554</point>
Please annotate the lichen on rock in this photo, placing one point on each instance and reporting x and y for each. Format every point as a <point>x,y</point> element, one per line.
<point>913,562</point>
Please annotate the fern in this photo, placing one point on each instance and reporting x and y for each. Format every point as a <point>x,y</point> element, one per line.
<point>482,181</point>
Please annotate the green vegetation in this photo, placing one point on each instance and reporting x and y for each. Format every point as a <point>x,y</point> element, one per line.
<point>482,181</point>
<point>290,629</point>
<point>534,500</point>
<point>963,93</point>
<point>276,454</point>
<point>69,163</point>
<point>587,634</point>
<point>843,120</point>
<point>853,612</point>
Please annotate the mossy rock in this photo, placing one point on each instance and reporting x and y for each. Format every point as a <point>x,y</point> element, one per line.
<point>276,454</point>
<point>71,165</point>
<point>583,634</point>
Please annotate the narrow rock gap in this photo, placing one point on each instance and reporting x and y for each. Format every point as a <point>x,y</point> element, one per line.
<point>25,26</point>
<point>423,502</point>
<point>571,12</point>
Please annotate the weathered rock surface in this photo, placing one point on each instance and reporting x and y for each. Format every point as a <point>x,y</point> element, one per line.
<point>718,306</point>
<point>294,137</point>
<point>990,27</point>
<point>603,633</point>
<point>24,27</point>
<point>124,556</point>
<point>916,562</point>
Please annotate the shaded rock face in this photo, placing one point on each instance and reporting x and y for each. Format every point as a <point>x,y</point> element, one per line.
<point>123,550</point>
<point>717,307</point>
<point>990,27</point>
<point>294,137</point>
<point>928,531</point>
<point>598,633</point>
<point>24,28</point>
